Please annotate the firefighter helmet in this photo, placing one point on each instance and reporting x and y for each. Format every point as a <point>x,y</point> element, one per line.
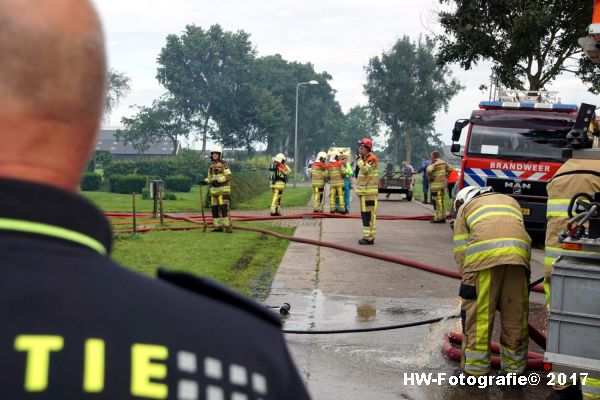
<point>280,158</point>
<point>216,149</point>
<point>467,194</point>
<point>322,156</point>
<point>366,142</point>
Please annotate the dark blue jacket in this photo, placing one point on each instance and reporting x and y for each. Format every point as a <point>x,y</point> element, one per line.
<point>75,325</point>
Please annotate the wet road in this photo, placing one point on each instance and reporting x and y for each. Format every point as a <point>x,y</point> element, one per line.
<point>329,289</point>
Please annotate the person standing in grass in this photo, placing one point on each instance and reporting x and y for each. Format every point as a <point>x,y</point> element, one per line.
<point>279,177</point>
<point>76,325</point>
<point>219,179</point>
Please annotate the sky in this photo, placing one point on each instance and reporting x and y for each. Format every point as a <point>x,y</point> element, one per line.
<point>337,36</point>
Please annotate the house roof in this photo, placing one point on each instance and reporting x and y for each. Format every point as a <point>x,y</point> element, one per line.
<point>108,142</point>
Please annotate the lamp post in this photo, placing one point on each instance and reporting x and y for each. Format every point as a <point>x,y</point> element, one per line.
<point>313,82</point>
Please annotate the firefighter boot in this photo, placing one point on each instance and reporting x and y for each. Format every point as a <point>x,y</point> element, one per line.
<point>228,229</point>
<point>366,241</point>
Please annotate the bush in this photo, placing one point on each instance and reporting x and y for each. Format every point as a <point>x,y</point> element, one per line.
<point>127,183</point>
<point>178,183</point>
<point>120,168</point>
<point>246,185</point>
<point>91,181</point>
<point>169,196</point>
<point>189,163</point>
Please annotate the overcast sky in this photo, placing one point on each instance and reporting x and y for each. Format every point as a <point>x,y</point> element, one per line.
<point>337,36</point>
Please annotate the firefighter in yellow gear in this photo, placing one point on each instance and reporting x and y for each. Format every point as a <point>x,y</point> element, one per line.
<point>279,177</point>
<point>573,177</point>
<point>219,179</point>
<point>437,173</point>
<point>492,250</point>
<point>336,174</point>
<point>317,174</point>
<point>367,180</point>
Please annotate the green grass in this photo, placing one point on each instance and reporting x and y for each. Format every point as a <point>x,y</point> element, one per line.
<point>190,202</point>
<point>123,202</point>
<point>298,197</point>
<point>244,261</point>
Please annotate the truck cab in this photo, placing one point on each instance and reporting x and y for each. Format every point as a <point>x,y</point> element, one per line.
<point>516,148</point>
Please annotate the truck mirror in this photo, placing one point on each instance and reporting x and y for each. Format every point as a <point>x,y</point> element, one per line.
<point>458,127</point>
<point>455,148</point>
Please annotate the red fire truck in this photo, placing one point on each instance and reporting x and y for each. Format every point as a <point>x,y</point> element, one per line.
<point>515,147</point>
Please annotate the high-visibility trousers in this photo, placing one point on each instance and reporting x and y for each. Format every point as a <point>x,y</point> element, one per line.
<point>368,212</point>
<point>438,205</point>
<point>219,204</point>
<point>503,288</point>
<point>276,200</point>
<point>318,198</point>
<point>336,195</point>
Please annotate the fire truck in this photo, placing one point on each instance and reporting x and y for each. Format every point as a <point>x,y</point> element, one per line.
<point>514,144</point>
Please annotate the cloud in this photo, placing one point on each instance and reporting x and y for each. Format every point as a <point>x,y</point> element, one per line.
<point>337,36</point>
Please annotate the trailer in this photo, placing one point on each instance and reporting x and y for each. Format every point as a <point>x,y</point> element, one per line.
<point>396,183</point>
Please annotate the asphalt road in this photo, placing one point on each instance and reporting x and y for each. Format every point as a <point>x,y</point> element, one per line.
<point>330,289</point>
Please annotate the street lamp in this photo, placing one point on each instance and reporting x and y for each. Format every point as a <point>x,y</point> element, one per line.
<point>313,82</point>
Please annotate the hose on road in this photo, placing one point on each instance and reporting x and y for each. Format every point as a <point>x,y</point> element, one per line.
<point>535,335</point>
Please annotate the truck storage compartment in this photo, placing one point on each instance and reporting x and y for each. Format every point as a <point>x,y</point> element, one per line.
<point>574,319</point>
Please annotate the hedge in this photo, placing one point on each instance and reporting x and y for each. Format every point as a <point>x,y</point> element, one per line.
<point>246,185</point>
<point>91,181</point>
<point>189,163</point>
<point>178,183</point>
<point>127,183</point>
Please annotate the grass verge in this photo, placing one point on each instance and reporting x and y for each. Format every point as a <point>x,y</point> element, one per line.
<point>244,261</point>
<point>190,202</point>
<point>292,197</point>
<point>186,202</point>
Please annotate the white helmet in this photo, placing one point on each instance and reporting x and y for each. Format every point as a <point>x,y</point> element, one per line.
<point>280,158</point>
<point>322,156</point>
<point>216,149</point>
<point>467,193</point>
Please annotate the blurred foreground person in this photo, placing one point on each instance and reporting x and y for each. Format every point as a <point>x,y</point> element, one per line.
<point>75,325</point>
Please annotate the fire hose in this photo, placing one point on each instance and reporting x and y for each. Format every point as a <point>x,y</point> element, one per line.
<point>450,351</point>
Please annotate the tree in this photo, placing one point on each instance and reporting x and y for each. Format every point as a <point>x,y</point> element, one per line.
<point>530,42</point>
<point>117,87</point>
<point>359,122</point>
<point>406,88</point>
<point>154,123</point>
<point>102,157</point>
<point>319,115</point>
<point>203,70</point>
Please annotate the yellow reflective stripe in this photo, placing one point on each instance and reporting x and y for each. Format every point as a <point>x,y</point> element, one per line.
<point>496,248</point>
<point>52,231</point>
<point>559,201</point>
<point>493,210</point>
<point>555,252</point>
<point>483,305</point>
<point>505,251</point>
<point>591,389</point>
<point>461,242</point>
<point>477,362</point>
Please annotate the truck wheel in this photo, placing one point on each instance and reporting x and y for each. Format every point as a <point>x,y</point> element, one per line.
<point>409,195</point>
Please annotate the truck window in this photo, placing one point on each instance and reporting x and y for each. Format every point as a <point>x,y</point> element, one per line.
<point>517,143</point>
